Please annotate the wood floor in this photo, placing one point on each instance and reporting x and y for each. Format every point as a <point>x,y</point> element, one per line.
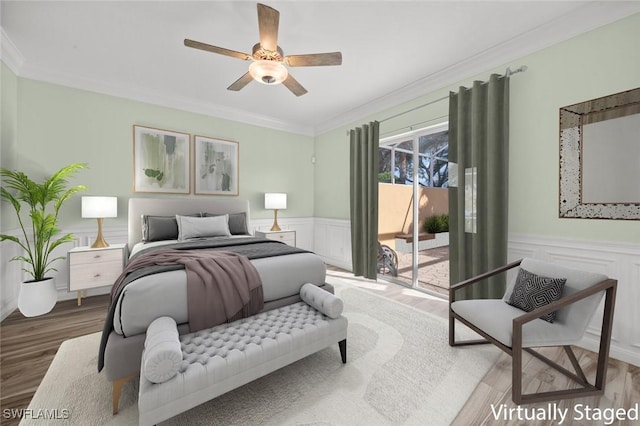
<point>27,346</point>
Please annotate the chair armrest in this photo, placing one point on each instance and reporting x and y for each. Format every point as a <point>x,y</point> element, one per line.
<point>480,277</point>
<point>609,285</point>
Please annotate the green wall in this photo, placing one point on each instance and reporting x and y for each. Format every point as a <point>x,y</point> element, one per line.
<point>59,125</point>
<point>598,63</point>
<point>8,134</point>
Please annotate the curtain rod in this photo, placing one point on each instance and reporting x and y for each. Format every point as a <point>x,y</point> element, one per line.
<point>508,72</point>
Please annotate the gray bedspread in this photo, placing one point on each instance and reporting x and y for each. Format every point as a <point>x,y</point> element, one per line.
<point>252,248</point>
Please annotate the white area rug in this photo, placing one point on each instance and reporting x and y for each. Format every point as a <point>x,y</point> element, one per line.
<point>400,370</point>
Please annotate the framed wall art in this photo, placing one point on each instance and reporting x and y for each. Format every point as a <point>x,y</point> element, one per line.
<point>160,161</point>
<point>216,166</point>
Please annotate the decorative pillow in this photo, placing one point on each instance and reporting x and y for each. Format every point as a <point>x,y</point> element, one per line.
<point>157,228</point>
<point>162,351</point>
<point>199,227</point>
<point>532,291</point>
<point>322,300</point>
<point>237,222</point>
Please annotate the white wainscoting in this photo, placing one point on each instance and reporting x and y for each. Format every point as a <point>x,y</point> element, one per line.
<point>614,259</point>
<point>12,274</point>
<point>617,260</point>
<point>330,239</point>
<point>333,241</point>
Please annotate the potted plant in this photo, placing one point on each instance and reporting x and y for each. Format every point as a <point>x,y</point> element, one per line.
<point>43,200</point>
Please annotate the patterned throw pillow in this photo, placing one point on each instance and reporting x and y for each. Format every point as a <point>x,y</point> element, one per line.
<point>532,291</point>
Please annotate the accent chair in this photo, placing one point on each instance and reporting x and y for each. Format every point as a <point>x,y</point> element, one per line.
<point>544,305</point>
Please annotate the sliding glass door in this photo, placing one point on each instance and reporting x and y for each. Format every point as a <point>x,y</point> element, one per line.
<point>413,206</point>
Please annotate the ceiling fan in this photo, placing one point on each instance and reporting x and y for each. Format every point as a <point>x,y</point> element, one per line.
<point>268,66</point>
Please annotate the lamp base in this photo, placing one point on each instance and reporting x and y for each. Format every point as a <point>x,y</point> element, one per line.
<point>100,241</point>
<point>275,226</point>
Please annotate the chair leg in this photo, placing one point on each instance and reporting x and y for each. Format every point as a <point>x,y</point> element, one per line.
<point>343,350</point>
<point>452,330</point>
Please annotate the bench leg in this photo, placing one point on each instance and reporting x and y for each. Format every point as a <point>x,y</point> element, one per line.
<point>117,388</point>
<point>343,350</point>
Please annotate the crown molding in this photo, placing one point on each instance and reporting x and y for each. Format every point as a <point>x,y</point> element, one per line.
<point>9,53</point>
<point>11,56</point>
<point>137,93</point>
<point>582,20</point>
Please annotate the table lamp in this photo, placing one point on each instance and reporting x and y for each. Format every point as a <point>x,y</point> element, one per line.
<point>275,201</point>
<point>99,208</point>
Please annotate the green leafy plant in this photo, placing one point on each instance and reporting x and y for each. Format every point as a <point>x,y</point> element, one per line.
<point>384,177</point>
<point>43,201</point>
<point>436,224</point>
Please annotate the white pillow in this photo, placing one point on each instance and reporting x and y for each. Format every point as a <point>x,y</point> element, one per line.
<point>197,227</point>
<point>322,300</point>
<point>162,351</point>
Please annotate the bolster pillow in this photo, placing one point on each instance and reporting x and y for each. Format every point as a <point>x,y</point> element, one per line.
<point>162,351</point>
<point>322,300</point>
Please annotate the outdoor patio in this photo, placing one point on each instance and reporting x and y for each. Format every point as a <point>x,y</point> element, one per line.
<point>433,269</point>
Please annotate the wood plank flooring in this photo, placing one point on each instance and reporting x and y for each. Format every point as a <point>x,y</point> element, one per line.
<point>27,346</point>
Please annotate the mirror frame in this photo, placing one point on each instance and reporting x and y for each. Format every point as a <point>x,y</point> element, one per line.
<point>572,119</point>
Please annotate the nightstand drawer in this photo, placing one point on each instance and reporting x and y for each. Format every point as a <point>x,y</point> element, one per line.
<point>90,275</point>
<point>91,268</point>
<point>95,256</point>
<point>287,237</point>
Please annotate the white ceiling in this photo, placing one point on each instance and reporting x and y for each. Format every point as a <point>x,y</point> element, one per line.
<point>392,51</point>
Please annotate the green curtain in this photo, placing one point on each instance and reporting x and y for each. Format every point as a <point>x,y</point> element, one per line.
<point>479,145</point>
<point>364,198</point>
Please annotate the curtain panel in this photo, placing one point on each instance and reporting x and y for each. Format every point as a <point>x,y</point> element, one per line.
<point>478,206</point>
<point>364,143</point>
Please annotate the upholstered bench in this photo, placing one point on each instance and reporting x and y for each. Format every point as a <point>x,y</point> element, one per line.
<point>181,372</point>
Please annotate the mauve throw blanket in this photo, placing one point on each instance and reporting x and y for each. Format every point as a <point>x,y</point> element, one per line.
<point>221,286</point>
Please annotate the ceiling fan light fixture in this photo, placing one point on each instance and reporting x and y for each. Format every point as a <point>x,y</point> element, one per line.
<point>268,72</point>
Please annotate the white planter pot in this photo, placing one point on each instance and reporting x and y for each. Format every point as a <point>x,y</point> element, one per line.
<point>37,297</point>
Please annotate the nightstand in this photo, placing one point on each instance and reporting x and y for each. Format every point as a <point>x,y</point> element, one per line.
<point>286,236</point>
<point>92,268</point>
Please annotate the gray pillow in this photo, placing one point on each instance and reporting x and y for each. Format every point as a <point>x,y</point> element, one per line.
<point>200,227</point>
<point>533,291</point>
<point>158,228</point>
<point>237,222</point>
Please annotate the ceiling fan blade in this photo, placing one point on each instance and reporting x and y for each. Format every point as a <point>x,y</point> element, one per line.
<point>314,60</point>
<point>268,21</point>
<point>240,83</point>
<point>215,49</point>
<point>293,85</point>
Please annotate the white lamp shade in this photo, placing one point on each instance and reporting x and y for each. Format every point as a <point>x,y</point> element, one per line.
<point>99,207</point>
<point>275,200</point>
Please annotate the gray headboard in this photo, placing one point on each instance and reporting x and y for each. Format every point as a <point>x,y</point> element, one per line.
<point>173,206</point>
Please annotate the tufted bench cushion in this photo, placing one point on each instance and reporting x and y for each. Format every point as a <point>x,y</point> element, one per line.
<point>222,358</point>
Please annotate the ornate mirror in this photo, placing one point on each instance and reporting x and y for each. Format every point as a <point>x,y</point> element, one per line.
<point>600,158</point>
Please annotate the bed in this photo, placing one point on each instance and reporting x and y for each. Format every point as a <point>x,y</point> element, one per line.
<point>146,297</point>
